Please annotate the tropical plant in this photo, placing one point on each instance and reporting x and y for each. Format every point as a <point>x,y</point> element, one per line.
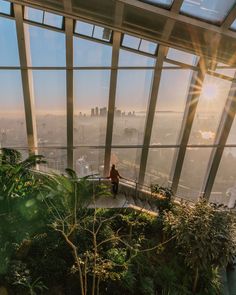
<point>204,236</point>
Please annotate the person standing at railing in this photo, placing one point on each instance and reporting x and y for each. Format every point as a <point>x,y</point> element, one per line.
<point>114,176</point>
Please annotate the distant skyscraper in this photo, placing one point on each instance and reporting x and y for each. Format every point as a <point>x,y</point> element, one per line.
<point>96,111</point>
<point>103,112</point>
<point>92,112</point>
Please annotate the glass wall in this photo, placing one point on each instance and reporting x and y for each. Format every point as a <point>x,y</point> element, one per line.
<point>12,112</point>
<point>91,105</point>
<point>193,172</point>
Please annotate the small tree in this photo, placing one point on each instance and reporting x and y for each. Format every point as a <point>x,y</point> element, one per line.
<point>204,236</point>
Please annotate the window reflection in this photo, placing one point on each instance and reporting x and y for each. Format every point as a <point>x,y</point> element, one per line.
<point>212,11</point>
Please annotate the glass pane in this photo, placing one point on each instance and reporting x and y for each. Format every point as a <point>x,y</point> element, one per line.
<point>8,43</point>
<point>193,173</point>
<point>164,3</point>
<point>132,96</point>
<point>127,162</point>
<point>91,106</point>
<point>89,161</point>
<point>159,166</point>
<point>12,114</point>
<point>212,11</point>
<point>232,134</point>
<point>47,47</point>
<point>209,110</point>
<point>53,20</point>
<point>84,28</point>
<point>33,14</point>
<point>131,59</point>
<point>102,33</point>
<point>147,46</point>
<point>224,71</point>
<point>182,56</point>
<point>233,26</point>
<point>56,159</point>
<point>5,7</point>
<point>224,188</point>
<point>170,107</point>
<point>91,53</point>
<point>131,41</point>
<point>50,103</point>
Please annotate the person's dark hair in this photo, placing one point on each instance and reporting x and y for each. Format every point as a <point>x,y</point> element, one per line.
<point>113,166</point>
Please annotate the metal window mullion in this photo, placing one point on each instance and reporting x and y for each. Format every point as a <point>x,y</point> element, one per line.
<point>175,8</point>
<point>222,135</point>
<point>27,79</point>
<point>112,97</point>
<point>69,91</point>
<point>151,112</point>
<point>189,114</point>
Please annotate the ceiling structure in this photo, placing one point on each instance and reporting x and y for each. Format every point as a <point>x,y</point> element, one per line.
<point>173,50</point>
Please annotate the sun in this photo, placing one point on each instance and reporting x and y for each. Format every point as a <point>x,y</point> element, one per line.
<point>210,90</point>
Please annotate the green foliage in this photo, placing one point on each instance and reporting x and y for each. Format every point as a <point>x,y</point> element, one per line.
<point>163,196</point>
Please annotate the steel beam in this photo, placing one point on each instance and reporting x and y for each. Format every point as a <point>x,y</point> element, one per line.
<point>113,84</point>
<point>229,19</point>
<point>111,103</point>
<point>222,135</point>
<point>69,90</point>
<point>27,78</point>
<point>190,110</point>
<point>151,112</point>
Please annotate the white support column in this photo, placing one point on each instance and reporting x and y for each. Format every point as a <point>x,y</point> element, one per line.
<point>190,110</point>
<point>27,78</point>
<point>69,90</point>
<point>222,135</point>
<point>151,111</point>
<point>112,97</point>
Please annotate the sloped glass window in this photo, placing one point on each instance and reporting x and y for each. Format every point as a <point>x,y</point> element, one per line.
<point>84,28</point>
<point>91,106</point>
<point>102,33</point>
<point>162,3</point>
<point>193,173</point>
<point>132,95</point>
<point>50,105</point>
<point>93,31</point>
<point>43,17</point>
<point>170,106</point>
<point>47,48</point>
<point>12,113</point>
<point>8,43</point>
<point>224,188</point>
<point>147,46</point>
<point>211,103</point>
<point>208,10</point>
<point>159,164</point>
<point>34,14</point>
<point>131,41</point>
<point>53,20</point>
<point>181,56</point>
<point>5,7</point>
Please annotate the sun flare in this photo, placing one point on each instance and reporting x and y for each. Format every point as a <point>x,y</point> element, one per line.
<point>210,91</point>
